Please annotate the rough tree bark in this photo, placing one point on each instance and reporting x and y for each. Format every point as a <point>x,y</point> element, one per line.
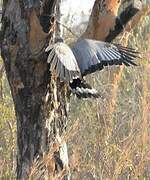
<point>40,108</point>
<point>40,100</point>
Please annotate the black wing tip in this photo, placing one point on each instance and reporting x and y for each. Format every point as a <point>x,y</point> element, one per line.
<point>128,55</point>
<point>126,48</point>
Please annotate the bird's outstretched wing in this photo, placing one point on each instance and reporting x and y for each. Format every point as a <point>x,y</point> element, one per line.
<point>93,55</point>
<point>63,62</point>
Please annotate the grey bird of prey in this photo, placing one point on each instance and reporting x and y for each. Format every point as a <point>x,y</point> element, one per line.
<point>86,56</point>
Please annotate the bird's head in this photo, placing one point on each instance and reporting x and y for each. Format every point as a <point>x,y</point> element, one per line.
<point>58,39</point>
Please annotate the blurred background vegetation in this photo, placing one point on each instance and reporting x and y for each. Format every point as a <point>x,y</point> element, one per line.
<point>112,138</point>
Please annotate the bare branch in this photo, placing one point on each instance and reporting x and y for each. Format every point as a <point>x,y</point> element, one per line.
<point>105,25</point>
<point>128,19</point>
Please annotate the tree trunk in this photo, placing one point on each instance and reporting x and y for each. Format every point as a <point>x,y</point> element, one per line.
<point>41,110</point>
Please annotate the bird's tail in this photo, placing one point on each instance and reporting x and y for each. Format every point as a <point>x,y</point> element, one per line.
<point>83,90</point>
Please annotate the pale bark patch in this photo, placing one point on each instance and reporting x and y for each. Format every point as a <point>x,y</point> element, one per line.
<point>37,37</point>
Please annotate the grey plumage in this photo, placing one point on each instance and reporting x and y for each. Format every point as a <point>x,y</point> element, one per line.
<point>94,55</point>
<point>62,60</point>
<point>85,57</point>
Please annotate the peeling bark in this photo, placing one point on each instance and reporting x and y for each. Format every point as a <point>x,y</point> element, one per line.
<point>36,44</point>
